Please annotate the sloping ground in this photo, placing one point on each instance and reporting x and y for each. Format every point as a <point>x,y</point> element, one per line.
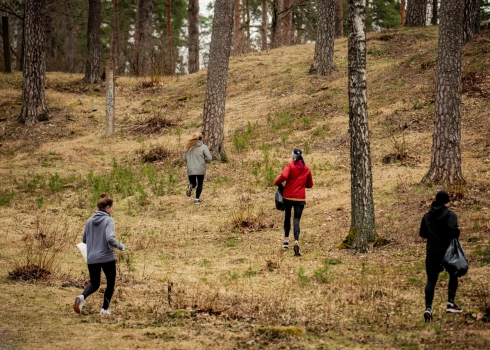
<point>229,277</point>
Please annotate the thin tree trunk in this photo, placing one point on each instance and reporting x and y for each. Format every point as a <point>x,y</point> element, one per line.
<point>33,84</point>
<point>7,66</point>
<point>69,37</point>
<point>219,55</point>
<point>363,227</point>
<point>277,24</point>
<point>143,38</point>
<point>247,24</point>
<point>323,61</point>
<point>435,4</point>
<point>92,67</point>
<point>237,30</point>
<point>193,14</point>
<point>471,19</point>
<point>403,12</point>
<point>170,50</point>
<point>339,19</point>
<point>115,35</point>
<point>265,27</point>
<point>287,23</point>
<point>416,13</point>
<point>445,165</point>
<point>49,28</point>
<point>110,98</point>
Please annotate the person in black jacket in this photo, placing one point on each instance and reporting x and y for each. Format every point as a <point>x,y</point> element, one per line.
<point>439,226</point>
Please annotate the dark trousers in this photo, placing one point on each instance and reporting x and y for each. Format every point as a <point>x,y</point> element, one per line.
<point>298,211</point>
<point>109,269</point>
<point>433,269</point>
<point>197,180</point>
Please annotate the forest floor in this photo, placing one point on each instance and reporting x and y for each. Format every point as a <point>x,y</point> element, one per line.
<point>214,275</point>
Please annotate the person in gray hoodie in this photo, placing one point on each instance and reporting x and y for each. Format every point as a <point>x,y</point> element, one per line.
<point>100,240</point>
<point>196,156</point>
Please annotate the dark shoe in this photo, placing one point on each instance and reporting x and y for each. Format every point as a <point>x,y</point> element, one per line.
<point>188,191</point>
<point>428,315</point>
<point>285,244</point>
<point>296,250</point>
<point>453,308</point>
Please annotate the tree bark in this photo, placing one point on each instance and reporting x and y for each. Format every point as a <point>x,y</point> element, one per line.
<point>69,37</point>
<point>110,98</point>
<point>115,35</point>
<point>193,14</point>
<point>7,66</point>
<point>403,12</point>
<point>416,13</point>
<point>143,38</point>
<point>265,26</point>
<point>323,60</point>
<point>339,19</point>
<point>33,84</point>
<point>170,46</point>
<point>50,35</point>
<point>435,4</point>
<point>471,19</point>
<point>219,55</point>
<point>363,227</point>
<point>276,23</point>
<point>287,23</point>
<point>445,165</point>
<point>92,67</point>
<point>237,30</point>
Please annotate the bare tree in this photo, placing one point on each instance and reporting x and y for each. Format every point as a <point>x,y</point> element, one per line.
<point>445,165</point>
<point>363,227</point>
<point>238,41</point>
<point>143,38</point>
<point>278,7</point>
<point>115,35</point>
<point>69,37</point>
<point>33,95</point>
<point>339,19</point>
<point>7,67</point>
<point>219,56</point>
<point>193,14</point>
<point>264,28</point>
<point>287,23</point>
<point>92,67</point>
<point>416,13</point>
<point>323,61</point>
<point>471,19</point>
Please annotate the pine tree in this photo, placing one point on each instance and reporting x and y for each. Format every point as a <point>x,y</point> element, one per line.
<point>416,13</point>
<point>323,61</point>
<point>92,67</point>
<point>193,15</point>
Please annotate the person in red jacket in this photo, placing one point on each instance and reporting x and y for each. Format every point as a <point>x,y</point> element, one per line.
<point>298,177</point>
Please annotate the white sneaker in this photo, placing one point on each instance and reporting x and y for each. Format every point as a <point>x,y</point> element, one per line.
<point>79,302</point>
<point>197,201</point>
<point>105,312</point>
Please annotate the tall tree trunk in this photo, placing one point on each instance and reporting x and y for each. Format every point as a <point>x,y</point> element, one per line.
<point>339,19</point>
<point>219,56</point>
<point>277,23</point>
<point>7,66</point>
<point>323,61</point>
<point>193,14</point>
<point>445,165</point>
<point>143,38</point>
<point>403,12</point>
<point>50,35</point>
<point>92,67</point>
<point>471,19</point>
<point>246,8</point>
<point>363,227</point>
<point>416,13</point>
<point>170,47</point>
<point>265,26</point>
<point>33,84</point>
<point>115,36</point>
<point>287,23</point>
<point>69,37</point>
<point>435,4</point>
<point>237,30</point>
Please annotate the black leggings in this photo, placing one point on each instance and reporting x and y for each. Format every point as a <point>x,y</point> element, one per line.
<point>199,179</point>
<point>433,270</point>
<point>109,269</point>
<point>298,210</point>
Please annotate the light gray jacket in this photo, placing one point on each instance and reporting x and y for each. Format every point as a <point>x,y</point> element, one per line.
<point>99,237</point>
<point>196,159</point>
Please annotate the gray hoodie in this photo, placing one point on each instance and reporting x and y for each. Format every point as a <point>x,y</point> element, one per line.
<point>99,237</point>
<point>196,159</point>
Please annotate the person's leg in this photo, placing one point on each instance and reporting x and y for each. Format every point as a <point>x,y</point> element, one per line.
<point>192,180</point>
<point>432,270</point>
<point>94,271</point>
<point>452,288</point>
<point>298,211</point>
<point>200,181</point>
<point>287,219</point>
<point>109,269</point>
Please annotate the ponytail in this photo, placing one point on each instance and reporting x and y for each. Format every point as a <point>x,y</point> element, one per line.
<point>104,201</point>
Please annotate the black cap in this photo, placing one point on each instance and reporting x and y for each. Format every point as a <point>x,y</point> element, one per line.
<point>442,197</point>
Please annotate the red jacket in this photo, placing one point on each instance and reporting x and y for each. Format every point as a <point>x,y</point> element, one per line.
<point>297,177</point>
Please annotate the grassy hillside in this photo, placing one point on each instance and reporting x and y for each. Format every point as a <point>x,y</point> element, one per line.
<point>214,275</point>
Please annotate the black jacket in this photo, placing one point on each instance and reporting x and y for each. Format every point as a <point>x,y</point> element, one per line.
<point>439,226</point>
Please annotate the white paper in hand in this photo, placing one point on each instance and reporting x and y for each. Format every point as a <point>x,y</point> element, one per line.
<point>83,249</point>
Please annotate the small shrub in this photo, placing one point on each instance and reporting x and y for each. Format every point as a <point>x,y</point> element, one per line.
<point>323,275</point>
<point>156,153</point>
<point>246,218</point>
<point>157,123</point>
<point>6,198</point>
<point>302,278</point>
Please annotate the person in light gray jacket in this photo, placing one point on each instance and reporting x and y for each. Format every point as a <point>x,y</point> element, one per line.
<point>100,240</point>
<point>196,156</point>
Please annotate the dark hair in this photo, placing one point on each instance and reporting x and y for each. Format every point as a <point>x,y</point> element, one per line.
<point>442,197</point>
<point>299,155</point>
<point>104,201</point>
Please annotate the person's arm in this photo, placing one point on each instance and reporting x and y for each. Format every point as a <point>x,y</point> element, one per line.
<point>423,229</point>
<point>309,180</point>
<point>452,224</point>
<point>84,237</point>
<point>283,177</point>
<point>207,155</point>
<point>110,236</point>
<point>184,157</point>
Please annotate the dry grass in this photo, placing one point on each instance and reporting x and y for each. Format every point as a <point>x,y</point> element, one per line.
<point>214,275</point>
